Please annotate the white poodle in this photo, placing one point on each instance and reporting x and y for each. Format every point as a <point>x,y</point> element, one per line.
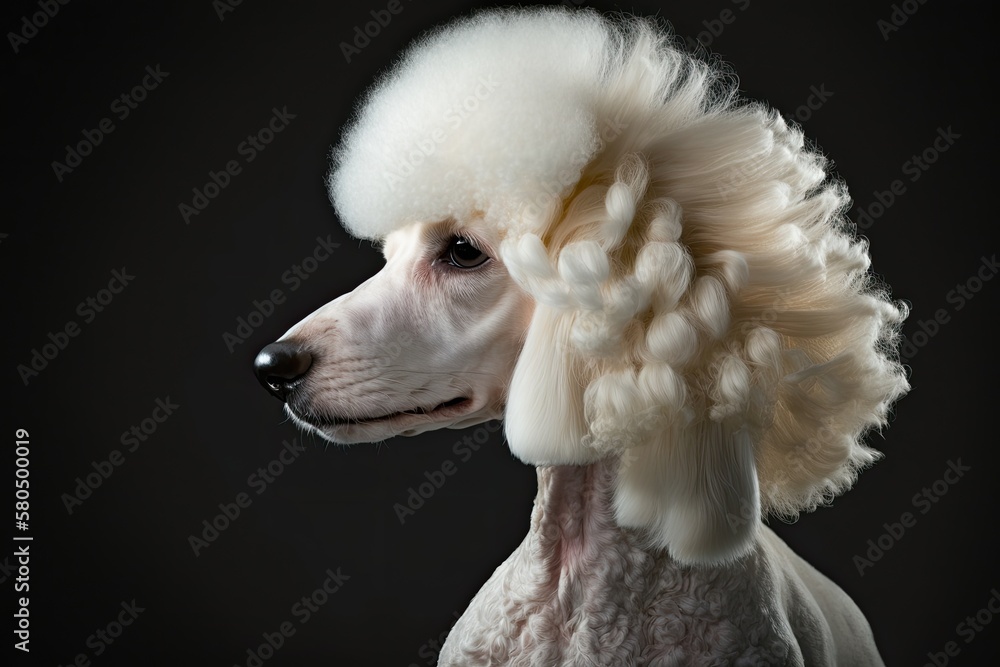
<point>590,235</point>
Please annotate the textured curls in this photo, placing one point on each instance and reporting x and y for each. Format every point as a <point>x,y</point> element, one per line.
<point>703,310</point>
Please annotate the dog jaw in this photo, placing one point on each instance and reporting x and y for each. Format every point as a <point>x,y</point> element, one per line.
<point>463,412</point>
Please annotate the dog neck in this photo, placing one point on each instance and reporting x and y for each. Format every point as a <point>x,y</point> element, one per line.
<point>581,585</point>
<point>573,524</point>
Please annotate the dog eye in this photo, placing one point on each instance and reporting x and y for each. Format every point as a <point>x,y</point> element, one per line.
<point>462,254</point>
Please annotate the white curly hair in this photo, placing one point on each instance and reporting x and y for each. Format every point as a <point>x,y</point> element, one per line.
<point>704,309</point>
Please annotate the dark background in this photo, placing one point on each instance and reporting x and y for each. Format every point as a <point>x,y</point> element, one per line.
<point>333,507</point>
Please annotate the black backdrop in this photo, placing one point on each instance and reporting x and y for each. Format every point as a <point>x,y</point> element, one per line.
<point>880,94</point>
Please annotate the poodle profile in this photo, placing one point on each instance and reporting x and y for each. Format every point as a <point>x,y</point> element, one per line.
<point>589,234</point>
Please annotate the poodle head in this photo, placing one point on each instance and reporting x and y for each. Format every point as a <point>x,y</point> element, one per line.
<point>698,306</point>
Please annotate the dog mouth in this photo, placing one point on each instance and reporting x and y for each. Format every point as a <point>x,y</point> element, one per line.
<point>446,409</point>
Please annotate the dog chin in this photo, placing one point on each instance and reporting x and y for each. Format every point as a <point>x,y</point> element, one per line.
<point>453,416</point>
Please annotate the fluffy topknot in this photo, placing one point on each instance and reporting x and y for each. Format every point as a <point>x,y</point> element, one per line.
<point>477,117</point>
<point>703,309</point>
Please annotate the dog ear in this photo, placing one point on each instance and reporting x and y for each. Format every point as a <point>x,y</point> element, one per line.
<point>693,489</point>
<point>725,344</point>
<point>544,420</point>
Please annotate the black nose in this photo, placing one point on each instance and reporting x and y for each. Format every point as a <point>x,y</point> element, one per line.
<point>279,365</point>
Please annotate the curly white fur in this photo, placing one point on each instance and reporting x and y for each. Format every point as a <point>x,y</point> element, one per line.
<point>702,306</point>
